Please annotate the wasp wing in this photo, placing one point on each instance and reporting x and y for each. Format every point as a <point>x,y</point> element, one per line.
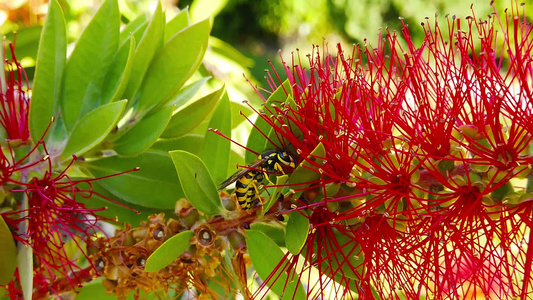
<point>240,173</point>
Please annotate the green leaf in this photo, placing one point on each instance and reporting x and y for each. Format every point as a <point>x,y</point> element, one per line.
<point>150,43</point>
<point>275,231</point>
<point>266,256</point>
<point>129,213</point>
<point>226,50</point>
<point>156,173</point>
<point>118,73</point>
<point>174,64</point>
<point>186,119</point>
<point>190,142</point>
<point>216,149</point>
<point>96,290</point>
<point>187,92</point>
<point>235,159</point>
<point>49,68</point>
<point>8,254</point>
<point>93,128</point>
<point>177,23</point>
<point>86,68</point>
<point>196,182</point>
<point>143,134</point>
<point>237,110</point>
<point>27,42</point>
<point>135,27</point>
<point>169,251</point>
<point>297,232</point>
<point>273,134</point>
<point>25,255</point>
<point>25,268</point>
<point>306,173</point>
<point>256,140</point>
<point>274,195</point>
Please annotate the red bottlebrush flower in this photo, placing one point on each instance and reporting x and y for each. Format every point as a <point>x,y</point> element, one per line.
<point>430,146</point>
<point>337,103</point>
<point>54,219</point>
<point>331,250</point>
<point>14,108</point>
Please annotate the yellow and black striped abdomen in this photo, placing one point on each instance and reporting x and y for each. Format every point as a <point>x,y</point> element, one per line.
<point>247,188</point>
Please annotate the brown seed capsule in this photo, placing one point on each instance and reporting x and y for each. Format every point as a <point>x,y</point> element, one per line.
<point>158,233</point>
<point>99,265</point>
<point>205,236</point>
<point>140,261</point>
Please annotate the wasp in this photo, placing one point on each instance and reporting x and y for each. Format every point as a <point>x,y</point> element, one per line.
<point>248,180</point>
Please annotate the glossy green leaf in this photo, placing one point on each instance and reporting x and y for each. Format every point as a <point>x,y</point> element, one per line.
<point>156,172</point>
<point>177,23</point>
<point>306,173</point>
<point>3,293</point>
<point>25,255</point>
<point>25,268</point>
<point>196,182</point>
<point>192,115</point>
<point>256,139</point>
<point>266,256</point>
<point>93,128</point>
<point>27,44</point>
<point>235,159</point>
<point>190,142</point>
<point>49,68</point>
<point>150,43</point>
<point>275,136</point>
<point>228,51</point>
<point>8,254</point>
<point>187,92</point>
<point>118,73</point>
<point>135,27</point>
<point>297,232</point>
<point>174,64</point>
<point>96,290</point>
<point>169,251</point>
<point>87,66</point>
<point>275,231</point>
<point>126,213</point>
<point>275,193</point>
<point>143,134</point>
<point>216,149</point>
<point>237,110</point>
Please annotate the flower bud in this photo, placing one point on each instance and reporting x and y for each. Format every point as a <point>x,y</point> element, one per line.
<point>237,241</point>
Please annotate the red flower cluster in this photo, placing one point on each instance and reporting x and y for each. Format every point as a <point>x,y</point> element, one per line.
<point>14,101</point>
<point>428,149</point>
<point>41,206</point>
